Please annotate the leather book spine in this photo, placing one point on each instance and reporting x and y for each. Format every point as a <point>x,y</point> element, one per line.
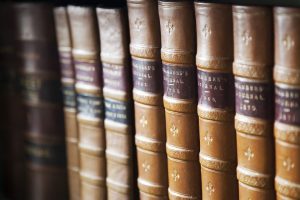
<point>215,103</point>
<point>177,27</point>
<point>150,135</point>
<point>12,121</point>
<point>119,128</point>
<point>90,106</point>
<point>252,67</point>
<point>287,102</point>
<point>38,65</point>
<point>68,86</point>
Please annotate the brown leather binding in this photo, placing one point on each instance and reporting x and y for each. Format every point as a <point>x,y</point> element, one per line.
<point>86,54</point>
<point>13,118</point>
<point>40,87</point>
<point>148,93</point>
<point>177,26</point>
<point>253,90</point>
<point>68,84</point>
<point>216,106</point>
<point>287,98</point>
<point>114,41</point>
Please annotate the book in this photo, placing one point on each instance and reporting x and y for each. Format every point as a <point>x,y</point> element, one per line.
<point>119,128</point>
<point>215,100</point>
<point>90,106</point>
<point>252,67</point>
<point>39,79</point>
<point>287,98</point>
<point>12,122</point>
<point>180,98</point>
<point>150,135</point>
<point>68,83</point>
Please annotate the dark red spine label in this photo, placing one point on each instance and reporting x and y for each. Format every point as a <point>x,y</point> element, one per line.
<point>180,81</point>
<point>115,76</point>
<point>253,98</point>
<point>88,73</point>
<point>215,89</point>
<point>287,105</point>
<point>66,65</point>
<point>147,75</point>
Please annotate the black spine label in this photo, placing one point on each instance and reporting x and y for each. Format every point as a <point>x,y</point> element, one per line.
<point>53,154</point>
<point>215,89</point>
<point>118,111</point>
<point>253,99</point>
<point>69,95</point>
<point>287,105</point>
<point>90,105</point>
<point>40,90</point>
<point>180,81</point>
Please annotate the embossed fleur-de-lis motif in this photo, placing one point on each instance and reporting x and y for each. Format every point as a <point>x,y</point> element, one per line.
<point>288,42</point>
<point>248,153</point>
<point>170,27</point>
<point>138,23</point>
<point>207,138</point>
<point>143,121</point>
<point>246,37</point>
<point>174,130</point>
<point>210,188</point>
<point>175,175</point>
<point>206,31</point>
<point>146,166</point>
<point>288,164</point>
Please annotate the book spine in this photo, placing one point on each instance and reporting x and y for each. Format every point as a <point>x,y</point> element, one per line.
<point>68,87</point>
<point>12,121</point>
<point>38,65</point>
<point>252,68</point>
<point>180,97</point>
<point>90,106</point>
<point>118,102</point>
<point>150,135</point>
<point>215,104</point>
<point>287,98</point>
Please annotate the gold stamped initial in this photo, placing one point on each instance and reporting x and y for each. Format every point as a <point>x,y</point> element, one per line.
<point>248,153</point>
<point>206,31</point>
<point>175,175</point>
<point>210,188</point>
<point>170,27</point>
<point>143,121</point>
<point>288,164</point>
<point>247,38</point>
<point>146,166</point>
<point>138,23</point>
<point>207,138</point>
<point>174,130</point>
<point>288,42</point>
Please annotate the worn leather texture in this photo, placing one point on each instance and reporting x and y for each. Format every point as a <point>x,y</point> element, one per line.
<point>252,28</point>
<point>177,24</point>
<point>287,97</point>
<point>150,135</point>
<point>215,104</point>
<point>38,65</point>
<point>12,122</point>
<point>120,156</point>
<point>90,105</point>
<point>68,83</point>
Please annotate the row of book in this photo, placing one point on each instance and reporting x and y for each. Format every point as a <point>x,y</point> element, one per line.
<point>151,99</point>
